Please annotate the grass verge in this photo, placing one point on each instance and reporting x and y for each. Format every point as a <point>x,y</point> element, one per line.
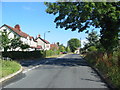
<point>55,56</point>
<point>108,67</point>
<point>8,67</point>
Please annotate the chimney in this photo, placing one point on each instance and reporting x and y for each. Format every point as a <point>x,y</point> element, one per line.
<point>38,35</point>
<point>17,27</point>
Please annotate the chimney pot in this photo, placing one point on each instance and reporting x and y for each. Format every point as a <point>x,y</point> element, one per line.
<point>17,27</point>
<point>39,36</point>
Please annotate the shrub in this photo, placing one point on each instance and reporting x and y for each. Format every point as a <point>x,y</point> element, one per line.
<point>111,72</point>
<point>51,52</point>
<point>23,54</point>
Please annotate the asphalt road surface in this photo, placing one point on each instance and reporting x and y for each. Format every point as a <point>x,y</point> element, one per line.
<point>70,71</point>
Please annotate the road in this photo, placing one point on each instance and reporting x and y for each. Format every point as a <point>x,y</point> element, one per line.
<point>71,71</point>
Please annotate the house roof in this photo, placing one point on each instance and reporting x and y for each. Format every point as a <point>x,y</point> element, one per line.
<point>31,37</point>
<point>18,31</point>
<point>43,40</point>
<point>53,46</point>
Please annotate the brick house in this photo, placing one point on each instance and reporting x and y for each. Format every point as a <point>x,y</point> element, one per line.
<point>54,46</point>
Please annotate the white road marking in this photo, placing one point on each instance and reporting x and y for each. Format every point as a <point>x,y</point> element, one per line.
<point>31,68</point>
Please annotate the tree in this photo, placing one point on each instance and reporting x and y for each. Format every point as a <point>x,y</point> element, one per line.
<point>81,15</point>
<point>93,38</point>
<point>74,43</point>
<point>93,41</point>
<point>9,43</point>
<point>67,49</point>
<point>92,48</point>
<point>15,43</point>
<point>24,46</point>
<point>5,41</point>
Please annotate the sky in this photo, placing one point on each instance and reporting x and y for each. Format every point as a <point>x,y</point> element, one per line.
<point>33,20</point>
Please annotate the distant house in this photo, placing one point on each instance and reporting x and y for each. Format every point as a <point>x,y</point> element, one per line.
<point>45,45</point>
<point>54,46</point>
<point>24,37</point>
<point>77,51</point>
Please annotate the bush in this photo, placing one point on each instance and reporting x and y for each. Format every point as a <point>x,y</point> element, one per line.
<point>51,52</point>
<point>112,72</point>
<point>23,54</point>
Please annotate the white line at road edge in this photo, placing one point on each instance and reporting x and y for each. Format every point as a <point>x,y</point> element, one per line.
<point>31,68</point>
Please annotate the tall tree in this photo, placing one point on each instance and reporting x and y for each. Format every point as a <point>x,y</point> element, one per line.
<point>93,39</point>
<point>81,15</point>
<point>74,43</point>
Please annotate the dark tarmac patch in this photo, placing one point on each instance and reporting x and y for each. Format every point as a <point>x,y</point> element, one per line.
<point>13,79</point>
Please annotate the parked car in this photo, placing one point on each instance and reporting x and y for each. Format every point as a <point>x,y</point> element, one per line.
<point>64,52</point>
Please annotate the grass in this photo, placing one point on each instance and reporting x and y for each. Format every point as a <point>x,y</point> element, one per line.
<point>55,56</point>
<point>8,67</point>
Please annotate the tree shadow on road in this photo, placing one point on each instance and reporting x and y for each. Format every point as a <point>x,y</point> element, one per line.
<point>56,61</point>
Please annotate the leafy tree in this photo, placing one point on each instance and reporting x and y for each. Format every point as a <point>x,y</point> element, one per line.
<point>24,46</point>
<point>74,43</point>
<point>15,43</point>
<point>5,41</point>
<point>92,48</point>
<point>93,38</point>
<point>81,15</point>
<point>9,43</point>
<point>67,49</point>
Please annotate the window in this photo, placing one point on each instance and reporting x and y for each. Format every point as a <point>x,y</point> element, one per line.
<point>15,36</point>
<point>4,30</point>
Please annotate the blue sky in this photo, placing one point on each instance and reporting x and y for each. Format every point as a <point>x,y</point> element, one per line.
<point>33,19</point>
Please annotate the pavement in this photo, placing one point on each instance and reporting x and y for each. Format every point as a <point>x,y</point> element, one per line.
<point>69,71</point>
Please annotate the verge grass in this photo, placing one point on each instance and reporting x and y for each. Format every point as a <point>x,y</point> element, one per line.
<point>8,67</point>
<point>112,72</point>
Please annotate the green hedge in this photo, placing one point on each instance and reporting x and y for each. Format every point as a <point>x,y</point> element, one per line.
<point>51,53</point>
<point>23,54</point>
<point>29,54</point>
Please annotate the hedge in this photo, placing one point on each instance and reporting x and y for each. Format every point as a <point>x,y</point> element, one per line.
<point>23,54</point>
<point>109,67</point>
<point>51,53</point>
